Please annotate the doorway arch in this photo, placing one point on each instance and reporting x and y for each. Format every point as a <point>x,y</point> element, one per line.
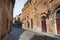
<point>56,13</point>
<point>58,20</point>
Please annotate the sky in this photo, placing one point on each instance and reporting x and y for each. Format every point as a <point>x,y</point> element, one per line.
<point>19,4</point>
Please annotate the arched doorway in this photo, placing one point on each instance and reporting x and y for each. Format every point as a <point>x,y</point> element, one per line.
<point>43,23</point>
<point>58,21</point>
<point>28,23</point>
<point>31,24</point>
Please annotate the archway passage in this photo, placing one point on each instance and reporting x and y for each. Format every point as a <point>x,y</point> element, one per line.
<point>31,24</point>
<point>58,21</point>
<point>28,23</point>
<point>43,23</point>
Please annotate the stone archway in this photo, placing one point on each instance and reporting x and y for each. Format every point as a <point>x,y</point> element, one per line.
<point>58,20</point>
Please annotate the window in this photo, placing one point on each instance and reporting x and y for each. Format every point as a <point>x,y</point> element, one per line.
<point>50,1</point>
<point>58,14</point>
<point>44,3</point>
<point>35,1</point>
<point>30,1</point>
<point>35,8</point>
<point>58,7</point>
<point>49,11</point>
<point>8,2</point>
<point>4,1</point>
<point>30,6</point>
<point>7,25</point>
<point>43,18</point>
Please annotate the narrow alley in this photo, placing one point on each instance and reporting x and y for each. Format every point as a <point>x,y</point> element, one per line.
<point>16,31</point>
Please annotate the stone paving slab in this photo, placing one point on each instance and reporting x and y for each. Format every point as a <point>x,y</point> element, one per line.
<point>26,35</point>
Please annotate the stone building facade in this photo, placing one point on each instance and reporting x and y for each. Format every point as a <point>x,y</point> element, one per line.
<point>6,16</point>
<point>26,15</point>
<point>42,16</point>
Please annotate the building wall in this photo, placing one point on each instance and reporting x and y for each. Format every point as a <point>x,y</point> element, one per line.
<point>25,15</point>
<point>38,9</point>
<point>5,17</point>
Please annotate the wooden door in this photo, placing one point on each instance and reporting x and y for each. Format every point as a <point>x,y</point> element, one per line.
<point>58,25</point>
<point>44,24</point>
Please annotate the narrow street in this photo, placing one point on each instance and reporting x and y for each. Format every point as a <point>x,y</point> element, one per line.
<point>29,19</point>
<point>19,34</point>
<point>14,34</point>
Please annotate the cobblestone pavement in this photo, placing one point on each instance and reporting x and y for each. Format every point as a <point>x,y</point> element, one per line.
<point>20,34</point>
